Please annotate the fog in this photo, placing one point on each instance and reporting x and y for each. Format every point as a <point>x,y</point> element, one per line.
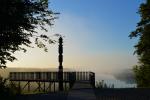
<point>120,78</point>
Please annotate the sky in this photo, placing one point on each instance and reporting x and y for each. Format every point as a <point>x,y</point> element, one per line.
<point>95,37</point>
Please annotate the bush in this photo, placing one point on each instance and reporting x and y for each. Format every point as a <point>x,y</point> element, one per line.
<point>6,92</point>
<point>102,84</point>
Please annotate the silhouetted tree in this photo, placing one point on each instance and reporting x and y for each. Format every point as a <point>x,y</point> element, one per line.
<point>18,21</point>
<point>142,71</point>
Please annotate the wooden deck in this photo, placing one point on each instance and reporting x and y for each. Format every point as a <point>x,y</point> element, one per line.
<point>81,90</point>
<point>44,80</point>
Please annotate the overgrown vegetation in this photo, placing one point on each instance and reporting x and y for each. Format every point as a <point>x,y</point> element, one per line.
<point>102,84</point>
<point>142,32</point>
<point>7,91</point>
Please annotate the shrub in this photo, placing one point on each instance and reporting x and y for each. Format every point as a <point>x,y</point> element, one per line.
<point>102,84</point>
<point>6,91</point>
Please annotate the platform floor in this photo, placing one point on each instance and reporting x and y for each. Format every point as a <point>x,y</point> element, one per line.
<point>81,91</point>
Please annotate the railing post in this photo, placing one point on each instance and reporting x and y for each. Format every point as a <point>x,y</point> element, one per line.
<point>72,78</point>
<point>92,79</point>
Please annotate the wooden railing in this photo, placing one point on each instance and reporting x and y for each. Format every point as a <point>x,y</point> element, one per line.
<point>125,97</point>
<point>70,77</point>
<point>123,94</point>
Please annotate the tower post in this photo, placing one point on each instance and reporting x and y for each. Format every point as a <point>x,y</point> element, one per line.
<point>60,60</point>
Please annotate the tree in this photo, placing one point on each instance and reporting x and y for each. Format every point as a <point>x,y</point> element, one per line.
<point>142,71</point>
<point>18,21</point>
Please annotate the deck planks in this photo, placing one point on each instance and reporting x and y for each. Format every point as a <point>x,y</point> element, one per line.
<point>82,90</point>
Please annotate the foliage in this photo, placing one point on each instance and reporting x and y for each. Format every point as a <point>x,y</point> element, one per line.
<point>18,21</point>
<point>6,91</point>
<point>102,84</point>
<point>142,71</point>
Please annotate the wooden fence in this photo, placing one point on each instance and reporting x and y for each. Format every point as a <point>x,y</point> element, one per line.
<point>123,94</point>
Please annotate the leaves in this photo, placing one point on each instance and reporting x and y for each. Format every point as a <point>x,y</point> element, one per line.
<point>18,21</point>
<point>142,71</point>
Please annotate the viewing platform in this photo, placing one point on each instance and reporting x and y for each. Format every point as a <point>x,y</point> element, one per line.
<point>46,79</point>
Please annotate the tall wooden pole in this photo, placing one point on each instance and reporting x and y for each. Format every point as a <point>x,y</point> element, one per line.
<point>60,59</point>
